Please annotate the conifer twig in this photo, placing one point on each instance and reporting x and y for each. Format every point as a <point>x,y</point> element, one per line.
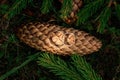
<point>66,8</point>
<point>58,66</point>
<point>47,6</point>
<point>78,70</point>
<point>16,8</point>
<point>104,17</point>
<point>88,11</point>
<point>7,74</point>
<point>84,68</point>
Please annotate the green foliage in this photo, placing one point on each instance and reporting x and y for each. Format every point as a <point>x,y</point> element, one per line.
<point>84,68</point>
<point>58,66</point>
<point>114,31</point>
<point>66,8</point>
<point>10,40</point>
<point>15,69</point>
<point>117,8</point>
<point>3,8</point>
<point>88,11</point>
<point>78,69</point>
<point>47,6</point>
<point>16,8</point>
<point>104,17</point>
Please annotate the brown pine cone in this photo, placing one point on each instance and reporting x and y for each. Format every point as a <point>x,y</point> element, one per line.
<point>75,8</point>
<point>57,39</point>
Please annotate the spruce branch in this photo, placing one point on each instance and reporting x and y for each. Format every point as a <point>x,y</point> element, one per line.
<point>15,69</point>
<point>47,6</point>
<point>78,70</point>
<point>84,68</point>
<point>66,8</point>
<point>103,19</point>
<point>89,10</point>
<point>16,8</point>
<point>58,66</point>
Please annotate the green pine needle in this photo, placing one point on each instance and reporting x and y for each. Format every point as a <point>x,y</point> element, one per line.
<point>104,17</point>
<point>16,8</point>
<point>117,8</point>
<point>15,69</point>
<point>88,11</point>
<point>47,6</point>
<point>58,66</point>
<point>66,8</point>
<point>78,70</point>
<point>84,68</point>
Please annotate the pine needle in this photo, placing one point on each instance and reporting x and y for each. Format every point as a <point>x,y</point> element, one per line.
<point>104,17</point>
<point>78,70</point>
<point>66,8</point>
<point>7,74</point>
<point>47,6</point>
<point>16,8</point>
<point>84,68</point>
<point>58,66</point>
<point>88,11</point>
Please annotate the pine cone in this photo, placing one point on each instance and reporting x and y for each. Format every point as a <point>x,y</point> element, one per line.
<point>57,39</point>
<point>72,16</point>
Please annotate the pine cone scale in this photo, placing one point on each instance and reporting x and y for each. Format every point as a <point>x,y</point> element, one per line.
<point>72,17</point>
